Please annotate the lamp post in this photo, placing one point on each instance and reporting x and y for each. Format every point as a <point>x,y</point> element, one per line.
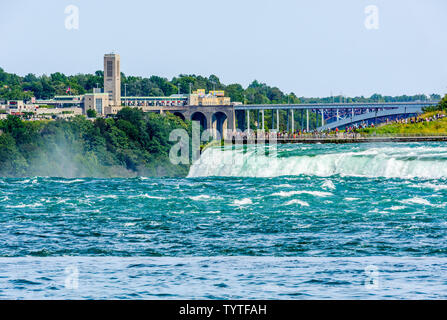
<point>125,93</point>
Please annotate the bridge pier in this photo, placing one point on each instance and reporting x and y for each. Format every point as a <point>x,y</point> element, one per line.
<point>277,120</point>
<point>248,121</point>
<point>293,122</point>
<point>216,118</point>
<point>302,119</point>
<point>262,112</point>
<point>307,118</point>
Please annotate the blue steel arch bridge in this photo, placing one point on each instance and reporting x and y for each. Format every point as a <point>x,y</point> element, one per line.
<point>336,115</point>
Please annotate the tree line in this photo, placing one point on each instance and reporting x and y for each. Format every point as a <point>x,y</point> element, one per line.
<point>15,87</point>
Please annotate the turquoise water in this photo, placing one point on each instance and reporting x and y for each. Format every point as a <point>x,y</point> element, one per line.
<point>302,221</point>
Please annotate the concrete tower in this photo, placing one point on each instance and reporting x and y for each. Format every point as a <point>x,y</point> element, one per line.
<point>112,78</point>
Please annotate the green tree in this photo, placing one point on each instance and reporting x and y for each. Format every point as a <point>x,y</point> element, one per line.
<point>11,161</point>
<point>235,92</point>
<point>91,113</point>
<point>132,143</point>
<point>443,103</point>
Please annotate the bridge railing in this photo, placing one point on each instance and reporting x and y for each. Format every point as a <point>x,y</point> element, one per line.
<point>348,105</point>
<point>333,136</point>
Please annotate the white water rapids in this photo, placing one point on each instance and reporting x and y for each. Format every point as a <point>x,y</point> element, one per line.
<point>390,161</point>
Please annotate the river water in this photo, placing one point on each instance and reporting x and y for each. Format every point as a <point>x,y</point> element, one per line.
<point>299,222</point>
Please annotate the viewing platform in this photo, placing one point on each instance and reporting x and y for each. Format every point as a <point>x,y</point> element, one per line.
<point>349,138</point>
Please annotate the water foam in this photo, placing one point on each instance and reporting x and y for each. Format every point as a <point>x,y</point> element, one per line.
<point>388,162</point>
<point>147,196</point>
<point>435,187</point>
<point>292,193</point>
<point>129,224</point>
<point>33,205</point>
<point>417,200</point>
<point>242,202</point>
<point>328,184</point>
<point>69,181</point>
<point>396,208</point>
<point>296,201</point>
<point>200,197</point>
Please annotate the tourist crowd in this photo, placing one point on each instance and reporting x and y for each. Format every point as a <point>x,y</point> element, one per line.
<point>349,131</point>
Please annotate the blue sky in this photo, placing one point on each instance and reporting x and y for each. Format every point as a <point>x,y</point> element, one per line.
<point>311,48</point>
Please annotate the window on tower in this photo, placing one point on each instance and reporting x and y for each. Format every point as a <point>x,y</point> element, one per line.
<point>109,68</point>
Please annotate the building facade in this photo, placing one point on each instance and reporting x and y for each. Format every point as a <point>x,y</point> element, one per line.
<point>98,101</point>
<point>208,100</point>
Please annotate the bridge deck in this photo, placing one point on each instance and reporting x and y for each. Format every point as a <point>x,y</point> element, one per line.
<point>357,105</point>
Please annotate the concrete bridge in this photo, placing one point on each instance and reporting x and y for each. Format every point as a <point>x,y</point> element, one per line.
<point>217,118</point>
<point>332,115</point>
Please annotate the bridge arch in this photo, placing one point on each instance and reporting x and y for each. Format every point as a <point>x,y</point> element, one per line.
<point>199,116</point>
<point>219,124</point>
<point>180,115</point>
<point>376,116</point>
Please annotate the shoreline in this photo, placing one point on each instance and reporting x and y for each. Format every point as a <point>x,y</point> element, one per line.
<point>338,140</point>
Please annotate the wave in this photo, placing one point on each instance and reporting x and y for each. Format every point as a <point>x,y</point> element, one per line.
<point>69,181</point>
<point>313,193</point>
<point>243,202</point>
<point>428,185</point>
<point>129,224</point>
<point>328,184</point>
<point>200,197</point>
<point>417,200</point>
<point>296,201</point>
<point>388,162</point>
<point>397,208</point>
<point>147,196</point>
<point>33,205</point>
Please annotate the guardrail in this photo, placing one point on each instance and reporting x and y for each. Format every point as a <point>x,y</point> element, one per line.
<point>337,138</point>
